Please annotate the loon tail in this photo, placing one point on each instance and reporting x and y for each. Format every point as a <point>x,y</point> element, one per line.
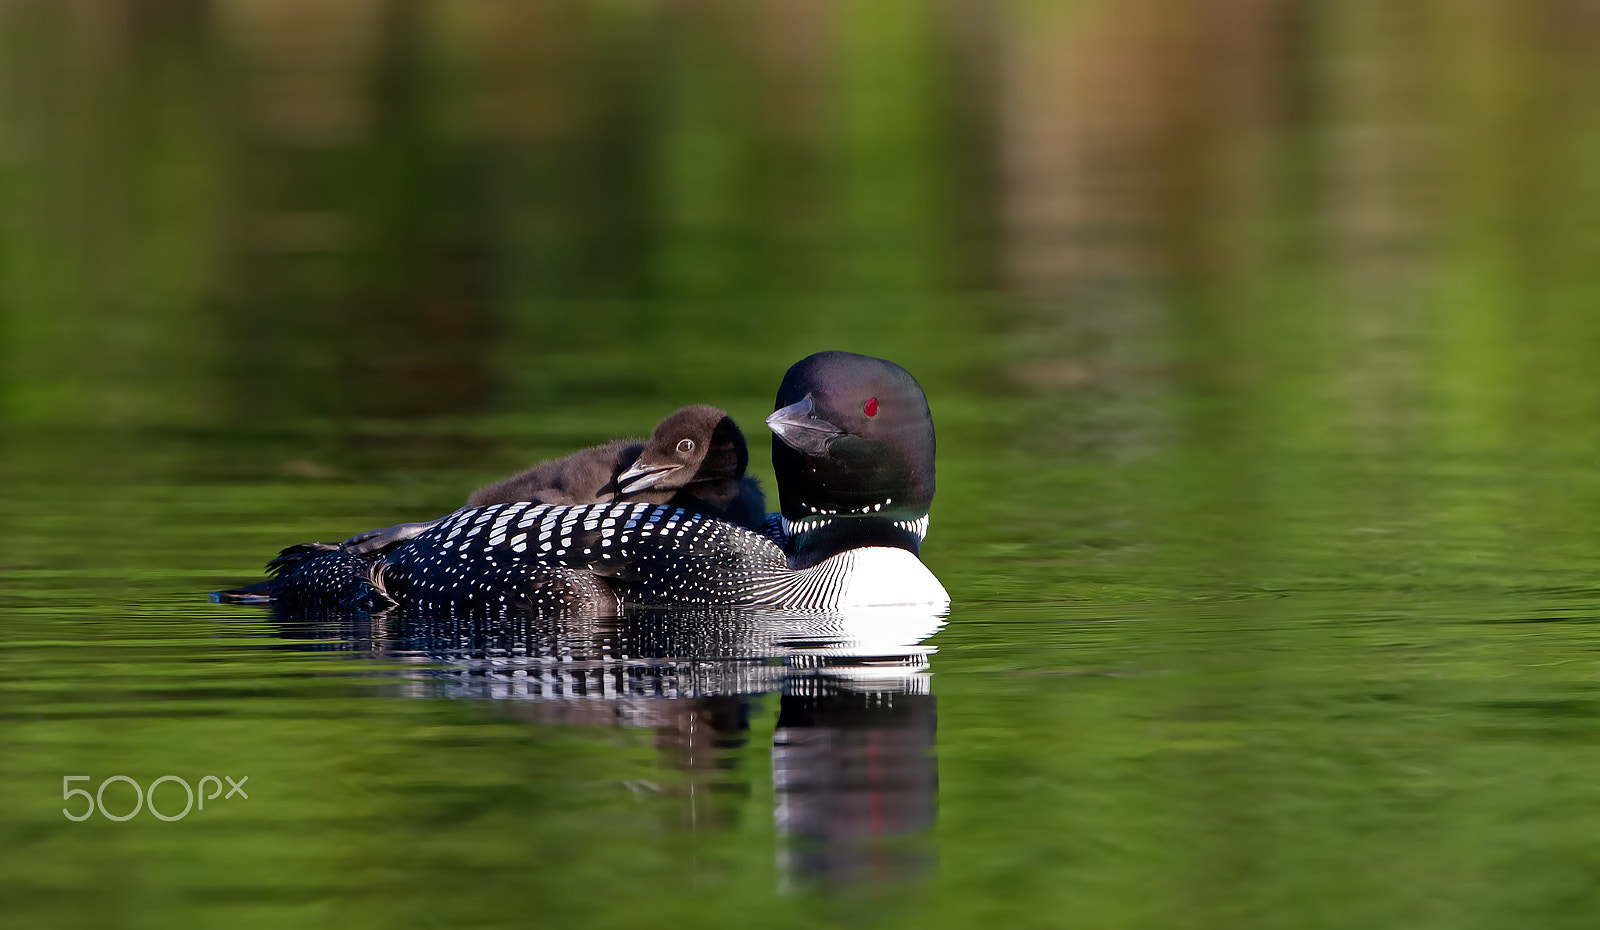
<point>354,582</point>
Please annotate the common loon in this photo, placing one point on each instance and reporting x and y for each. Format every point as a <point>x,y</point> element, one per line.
<point>694,459</point>
<point>853,450</point>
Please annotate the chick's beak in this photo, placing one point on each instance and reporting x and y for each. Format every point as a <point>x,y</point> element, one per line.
<point>642,476</point>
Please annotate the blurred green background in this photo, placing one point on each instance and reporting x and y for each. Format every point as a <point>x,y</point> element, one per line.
<point>1270,325</point>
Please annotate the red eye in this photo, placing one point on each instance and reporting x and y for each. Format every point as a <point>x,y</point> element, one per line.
<point>870,408</point>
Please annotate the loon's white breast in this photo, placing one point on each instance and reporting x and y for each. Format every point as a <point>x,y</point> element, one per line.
<point>877,576</point>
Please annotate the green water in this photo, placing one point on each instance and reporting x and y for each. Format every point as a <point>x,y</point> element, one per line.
<point>1261,347</point>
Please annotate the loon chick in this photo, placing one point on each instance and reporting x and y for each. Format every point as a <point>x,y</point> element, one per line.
<point>695,459</point>
<point>854,456</point>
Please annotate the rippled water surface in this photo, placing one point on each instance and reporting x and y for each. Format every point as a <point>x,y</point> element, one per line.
<point>1260,339</point>
<point>1348,706</point>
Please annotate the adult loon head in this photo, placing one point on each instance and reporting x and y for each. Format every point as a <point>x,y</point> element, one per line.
<point>853,451</point>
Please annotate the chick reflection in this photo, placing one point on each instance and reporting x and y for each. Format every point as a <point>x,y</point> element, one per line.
<point>702,739</point>
<point>854,767</point>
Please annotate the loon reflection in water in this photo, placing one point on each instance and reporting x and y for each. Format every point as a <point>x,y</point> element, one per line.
<point>855,782</point>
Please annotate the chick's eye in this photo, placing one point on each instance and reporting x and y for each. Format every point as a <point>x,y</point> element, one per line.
<point>686,445</point>
<point>870,408</point>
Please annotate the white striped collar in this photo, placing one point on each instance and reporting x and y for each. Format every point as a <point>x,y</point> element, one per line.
<point>795,528</point>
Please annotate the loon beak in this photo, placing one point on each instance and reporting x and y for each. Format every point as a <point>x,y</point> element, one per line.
<point>802,430</point>
<point>642,476</point>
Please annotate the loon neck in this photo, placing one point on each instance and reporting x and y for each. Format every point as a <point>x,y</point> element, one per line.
<point>814,539</point>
